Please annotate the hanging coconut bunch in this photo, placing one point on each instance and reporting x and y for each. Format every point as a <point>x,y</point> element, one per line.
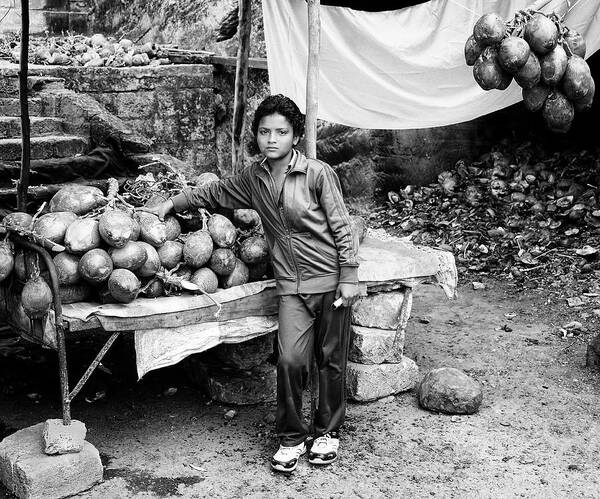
<point>540,53</point>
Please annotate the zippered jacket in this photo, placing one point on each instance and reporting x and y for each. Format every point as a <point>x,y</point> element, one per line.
<point>307,227</point>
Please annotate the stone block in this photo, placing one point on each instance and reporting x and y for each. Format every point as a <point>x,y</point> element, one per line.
<point>365,383</point>
<point>247,354</point>
<point>374,346</point>
<point>30,474</point>
<point>379,310</point>
<point>244,387</point>
<point>61,439</point>
<point>451,391</point>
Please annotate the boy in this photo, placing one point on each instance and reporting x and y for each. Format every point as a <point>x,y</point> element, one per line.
<point>314,257</point>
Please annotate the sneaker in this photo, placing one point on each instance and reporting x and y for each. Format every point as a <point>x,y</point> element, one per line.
<point>286,458</point>
<point>324,449</point>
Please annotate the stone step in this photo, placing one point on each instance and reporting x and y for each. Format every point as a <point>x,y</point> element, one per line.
<point>9,86</point>
<point>10,126</point>
<point>50,146</point>
<point>10,106</point>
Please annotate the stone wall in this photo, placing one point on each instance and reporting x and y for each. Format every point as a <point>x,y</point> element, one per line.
<point>172,105</point>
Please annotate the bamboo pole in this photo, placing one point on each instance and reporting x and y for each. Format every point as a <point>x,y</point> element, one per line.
<point>25,125</point>
<point>241,81</point>
<point>312,78</point>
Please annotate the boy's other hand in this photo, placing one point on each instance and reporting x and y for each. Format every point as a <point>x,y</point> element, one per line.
<point>348,292</point>
<point>160,210</point>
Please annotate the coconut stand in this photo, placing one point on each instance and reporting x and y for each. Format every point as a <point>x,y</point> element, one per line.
<point>384,266</point>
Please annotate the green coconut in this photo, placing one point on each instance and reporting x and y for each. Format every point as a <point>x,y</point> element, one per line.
<point>170,254</point>
<point>222,231</point>
<point>472,50</point>
<point>205,279</point>
<point>558,112</point>
<point>577,81</point>
<point>222,261</point>
<point>575,42</point>
<point>123,285</point>
<point>541,33</point>
<point>36,298</point>
<point>67,268</point>
<point>246,218</point>
<point>152,230</point>
<point>553,65</point>
<point>82,236</point>
<point>154,289</point>
<point>95,266</point>
<point>172,227</point>
<point>152,264</point>
<point>513,54</point>
<point>253,250</point>
<point>18,219</point>
<point>53,226</point>
<point>534,97</point>
<point>530,74</point>
<point>489,29</point>
<point>239,276</point>
<point>198,248</point>
<point>80,199</point>
<point>116,228</point>
<point>7,259</point>
<point>131,256</point>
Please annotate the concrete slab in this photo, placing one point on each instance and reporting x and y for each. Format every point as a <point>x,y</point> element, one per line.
<point>30,474</point>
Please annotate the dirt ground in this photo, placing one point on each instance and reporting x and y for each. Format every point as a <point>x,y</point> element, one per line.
<point>536,434</point>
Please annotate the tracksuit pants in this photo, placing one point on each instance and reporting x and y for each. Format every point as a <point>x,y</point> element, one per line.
<point>308,323</point>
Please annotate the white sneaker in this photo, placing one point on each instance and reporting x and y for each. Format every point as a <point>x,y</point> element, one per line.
<point>286,458</point>
<point>324,449</point>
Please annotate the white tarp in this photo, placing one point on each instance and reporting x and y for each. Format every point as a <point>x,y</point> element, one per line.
<point>397,69</point>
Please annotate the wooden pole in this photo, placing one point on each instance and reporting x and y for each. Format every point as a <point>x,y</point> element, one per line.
<point>312,78</point>
<point>241,81</point>
<point>25,125</point>
<point>310,134</point>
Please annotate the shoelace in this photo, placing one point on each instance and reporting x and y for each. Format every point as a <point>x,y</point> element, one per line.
<point>290,450</point>
<point>323,441</point>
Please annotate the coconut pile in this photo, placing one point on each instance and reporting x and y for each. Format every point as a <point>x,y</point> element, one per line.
<point>519,213</point>
<point>542,55</point>
<point>111,252</point>
<point>79,50</point>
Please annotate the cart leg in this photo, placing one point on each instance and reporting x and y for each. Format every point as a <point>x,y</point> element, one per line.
<point>93,365</point>
<point>64,375</point>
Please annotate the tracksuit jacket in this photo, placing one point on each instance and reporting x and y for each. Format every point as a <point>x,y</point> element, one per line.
<point>307,227</point>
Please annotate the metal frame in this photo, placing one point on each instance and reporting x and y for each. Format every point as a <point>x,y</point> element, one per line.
<point>66,395</point>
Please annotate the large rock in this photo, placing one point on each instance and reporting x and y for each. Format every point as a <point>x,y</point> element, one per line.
<point>61,439</point>
<point>379,310</point>
<point>365,383</point>
<point>247,354</point>
<point>31,474</point>
<point>374,346</point>
<point>244,387</point>
<point>450,390</point>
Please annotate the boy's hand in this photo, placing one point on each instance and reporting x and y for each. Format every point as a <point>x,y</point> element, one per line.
<point>160,210</point>
<point>348,292</point>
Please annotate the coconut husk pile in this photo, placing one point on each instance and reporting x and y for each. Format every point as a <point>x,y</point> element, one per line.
<point>80,50</point>
<point>519,213</point>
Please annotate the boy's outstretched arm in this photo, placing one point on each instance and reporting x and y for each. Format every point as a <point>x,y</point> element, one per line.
<point>233,192</point>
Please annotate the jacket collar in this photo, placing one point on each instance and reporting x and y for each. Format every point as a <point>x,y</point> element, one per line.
<point>298,164</point>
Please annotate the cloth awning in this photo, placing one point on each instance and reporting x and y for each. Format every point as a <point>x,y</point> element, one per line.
<point>396,69</point>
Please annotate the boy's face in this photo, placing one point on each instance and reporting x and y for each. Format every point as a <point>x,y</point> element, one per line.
<point>275,136</point>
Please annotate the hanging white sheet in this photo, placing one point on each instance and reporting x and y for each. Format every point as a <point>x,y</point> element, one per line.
<point>398,69</point>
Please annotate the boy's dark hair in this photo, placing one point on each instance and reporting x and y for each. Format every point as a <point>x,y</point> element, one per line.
<point>283,105</point>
